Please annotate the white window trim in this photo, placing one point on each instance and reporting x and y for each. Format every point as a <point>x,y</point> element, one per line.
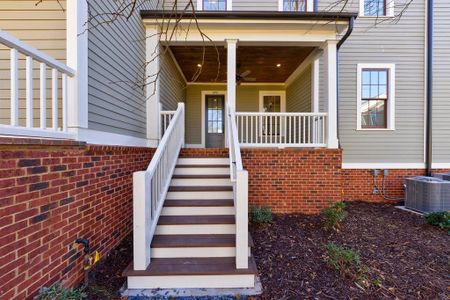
<point>229,5</point>
<point>391,92</point>
<point>390,10</point>
<point>309,5</point>
<point>282,95</point>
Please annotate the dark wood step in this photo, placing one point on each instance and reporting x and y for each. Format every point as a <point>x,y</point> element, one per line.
<point>200,188</point>
<point>195,240</point>
<point>212,176</point>
<point>194,220</point>
<point>203,166</point>
<point>199,203</point>
<point>192,266</point>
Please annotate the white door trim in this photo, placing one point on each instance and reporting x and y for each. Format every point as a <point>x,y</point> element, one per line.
<point>204,94</point>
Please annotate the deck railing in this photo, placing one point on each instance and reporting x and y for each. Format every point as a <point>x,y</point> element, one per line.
<point>38,128</point>
<point>150,188</point>
<point>257,129</point>
<point>166,117</point>
<point>239,178</point>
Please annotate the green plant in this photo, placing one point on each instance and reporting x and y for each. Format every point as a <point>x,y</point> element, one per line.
<point>439,219</point>
<point>260,214</point>
<point>334,215</point>
<point>57,292</point>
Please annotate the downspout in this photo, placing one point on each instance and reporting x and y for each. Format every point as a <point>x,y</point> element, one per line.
<point>429,91</point>
<point>351,23</point>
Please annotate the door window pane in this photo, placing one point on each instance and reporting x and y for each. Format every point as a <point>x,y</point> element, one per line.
<point>214,4</point>
<point>215,114</point>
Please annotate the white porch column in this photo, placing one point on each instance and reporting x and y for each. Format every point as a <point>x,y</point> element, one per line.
<point>152,85</point>
<point>77,59</point>
<point>231,72</point>
<point>330,92</point>
<point>315,86</point>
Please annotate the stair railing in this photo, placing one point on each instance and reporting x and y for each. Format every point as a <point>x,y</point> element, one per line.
<point>239,178</point>
<point>150,188</point>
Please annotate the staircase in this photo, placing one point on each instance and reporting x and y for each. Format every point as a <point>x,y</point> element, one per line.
<point>194,244</point>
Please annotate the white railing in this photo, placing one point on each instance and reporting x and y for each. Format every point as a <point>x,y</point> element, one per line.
<point>40,128</point>
<point>150,188</point>
<point>281,129</point>
<point>239,178</point>
<point>166,117</point>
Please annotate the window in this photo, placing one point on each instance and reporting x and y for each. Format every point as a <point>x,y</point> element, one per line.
<point>376,96</point>
<point>294,5</point>
<point>214,4</point>
<point>272,102</point>
<point>376,8</point>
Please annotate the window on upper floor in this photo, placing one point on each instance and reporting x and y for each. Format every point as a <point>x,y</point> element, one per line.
<point>377,8</point>
<point>294,5</point>
<point>214,4</point>
<point>376,96</point>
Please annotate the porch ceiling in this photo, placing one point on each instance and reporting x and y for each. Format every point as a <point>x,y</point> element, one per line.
<point>262,61</point>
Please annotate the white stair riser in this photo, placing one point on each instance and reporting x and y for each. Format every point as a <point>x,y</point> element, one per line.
<point>190,281</point>
<point>197,211</point>
<point>194,252</point>
<point>196,229</point>
<point>201,182</point>
<point>202,171</point>
<point>199,195</point>
<point>203,161</point>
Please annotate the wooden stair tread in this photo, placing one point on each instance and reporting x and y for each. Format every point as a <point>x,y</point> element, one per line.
<point>203,166</point>
<point>200,188</point>
<point>194,220</point>
<point>192,266</point>
<point>195,240</point>
<point>198,203</point>
<point>211,176</point>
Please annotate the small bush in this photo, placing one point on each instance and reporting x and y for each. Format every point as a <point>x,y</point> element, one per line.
<point>57,292</point>
<point>260,214</point>
<point>334,215</point>
<point>439,219</point>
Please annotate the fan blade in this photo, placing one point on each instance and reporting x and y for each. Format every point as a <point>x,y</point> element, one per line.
<point>246,73</point>
<point>249,79</point>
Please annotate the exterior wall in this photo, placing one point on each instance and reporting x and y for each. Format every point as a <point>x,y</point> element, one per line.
<point>116,71</point>
<point>52,193</point>
<point>42,26</point>
<point>400,43</point>
<point>298,93</point>
<point>441,92</point>
<point>247,100</point>
<point>172,83</point>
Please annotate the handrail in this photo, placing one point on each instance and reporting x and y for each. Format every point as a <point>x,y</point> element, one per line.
<point>239,177</point>
<point>150,188</point>
<point>12,42</point>
<point>275,114</point>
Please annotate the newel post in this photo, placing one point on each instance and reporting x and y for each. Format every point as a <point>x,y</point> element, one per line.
<point>141,220</point>
<point>242,219</point>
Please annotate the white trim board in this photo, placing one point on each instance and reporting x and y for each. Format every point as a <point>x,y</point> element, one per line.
<point>107,138</point>
<point>204,93</point>
<point>383,165</point>
<point>391,92</point>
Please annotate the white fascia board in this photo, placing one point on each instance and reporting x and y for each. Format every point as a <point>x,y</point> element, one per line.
<point>382,165</point>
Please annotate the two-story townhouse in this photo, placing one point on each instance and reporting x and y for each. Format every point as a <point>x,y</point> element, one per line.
<point>291,104</point>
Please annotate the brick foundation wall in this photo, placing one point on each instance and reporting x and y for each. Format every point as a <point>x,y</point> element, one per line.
<point>357,184</point>
<point>53,193</point>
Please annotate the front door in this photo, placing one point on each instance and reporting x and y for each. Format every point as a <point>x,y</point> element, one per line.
<point>215,121</point>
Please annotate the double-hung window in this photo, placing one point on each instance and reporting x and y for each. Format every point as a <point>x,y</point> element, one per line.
<point>294,5</point>
<point>377,8</point>
<point>376,88</point>
<point>212,4</point>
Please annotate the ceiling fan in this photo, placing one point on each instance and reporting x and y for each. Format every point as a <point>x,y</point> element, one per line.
<point>243,77</point>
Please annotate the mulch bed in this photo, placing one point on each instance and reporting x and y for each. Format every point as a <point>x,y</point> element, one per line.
<point>410,259</point>
<point>406,259</point>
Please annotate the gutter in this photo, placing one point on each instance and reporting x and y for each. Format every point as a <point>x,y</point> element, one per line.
<point>429,91</point>
<point>351,23</point>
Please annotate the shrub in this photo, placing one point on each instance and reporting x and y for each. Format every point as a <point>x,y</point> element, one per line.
<point>260,214</point>
<point>439,219</point>
<point>334,215</point>
<point>57,292</point>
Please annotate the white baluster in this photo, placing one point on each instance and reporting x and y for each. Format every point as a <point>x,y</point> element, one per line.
<point>29,91</point>
<point>43,95</point>
<point>14,87</point>
<point>55,99</point>
<point>64,101</point>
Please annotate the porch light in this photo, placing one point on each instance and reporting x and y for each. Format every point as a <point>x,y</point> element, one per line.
<point>278,65</point>
<point>199,65</point>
